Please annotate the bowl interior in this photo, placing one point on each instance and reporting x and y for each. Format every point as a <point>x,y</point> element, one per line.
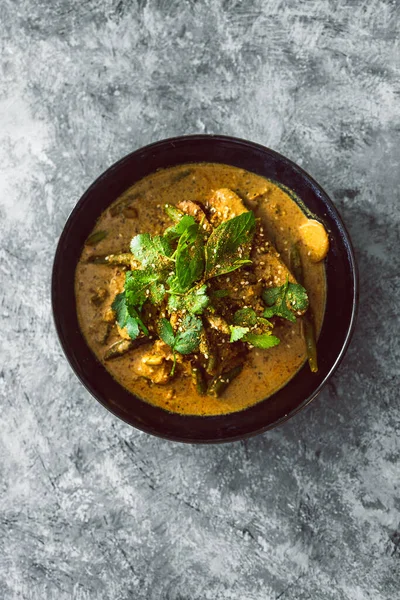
<point>341,289</point>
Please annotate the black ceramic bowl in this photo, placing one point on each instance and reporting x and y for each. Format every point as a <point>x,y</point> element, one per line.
<point>341,283</point>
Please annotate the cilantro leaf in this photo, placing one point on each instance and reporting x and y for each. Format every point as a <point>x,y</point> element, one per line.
<point>143,285</point>
<point>120,308</point>
<point>128,317</point>
<point>194,301</point>
<point>150,251</point>
<point>187,339</point>
<point>283,301</point>
<point>261,340</point>
<point>175,232</point>
<point>229,240</point>
<point>190,257</point>
<point>237,332</point>
<point>297,297</point>
<point>132,327</point>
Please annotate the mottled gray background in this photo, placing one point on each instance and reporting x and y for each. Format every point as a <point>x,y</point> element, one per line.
<point>92,509</point>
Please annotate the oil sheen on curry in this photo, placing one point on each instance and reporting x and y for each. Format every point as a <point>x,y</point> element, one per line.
<point>202,288</point>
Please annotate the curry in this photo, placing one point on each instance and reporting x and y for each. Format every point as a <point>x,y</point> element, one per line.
<point>202,288</point>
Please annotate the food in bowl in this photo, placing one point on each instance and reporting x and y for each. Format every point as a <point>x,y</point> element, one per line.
<point>202,288</point>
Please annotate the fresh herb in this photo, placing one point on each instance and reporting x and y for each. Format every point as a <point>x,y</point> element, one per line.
<point>194,301</point>
<point>143,285</point>
<point>127,316</point>
<point>285,300</point>
<point>175,231</point>
<point>151,251</point>
<point>261,340</point>
<point>229,240</point>
<point>249,318</point>
<point>189,261</point>
<point>174,213</point>
<point>237,332</point>
<point>186,340</point>
<point>245,316</point>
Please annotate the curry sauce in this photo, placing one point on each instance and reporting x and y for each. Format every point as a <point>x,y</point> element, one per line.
<point>139,210</point>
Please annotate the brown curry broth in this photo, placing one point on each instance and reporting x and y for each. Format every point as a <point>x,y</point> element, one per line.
<point>265,371</point>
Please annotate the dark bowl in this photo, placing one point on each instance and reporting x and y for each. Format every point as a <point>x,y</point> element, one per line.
<point>341,307</point>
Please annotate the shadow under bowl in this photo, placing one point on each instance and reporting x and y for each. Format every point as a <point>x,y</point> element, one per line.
<point>341,274</point>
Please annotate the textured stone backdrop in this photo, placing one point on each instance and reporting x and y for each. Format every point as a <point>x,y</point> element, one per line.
<point>92,509</point>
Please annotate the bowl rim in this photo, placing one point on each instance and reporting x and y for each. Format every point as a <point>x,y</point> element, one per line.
<point>70,222</point>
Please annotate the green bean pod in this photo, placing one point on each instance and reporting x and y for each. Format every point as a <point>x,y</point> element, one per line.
<point>307,319</point>
<point>219,383</point>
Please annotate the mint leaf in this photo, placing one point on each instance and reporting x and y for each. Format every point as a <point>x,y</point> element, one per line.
<point>151,251</point>
<point>143,285</point>
<point>194,301</point>
<point>283,301</point>
<point>190,257</point>
<point>237,332</point>
<point>173,233</point>
<point>228,247</point>
<point>261,340</point>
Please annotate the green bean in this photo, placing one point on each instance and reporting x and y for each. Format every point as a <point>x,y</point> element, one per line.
<point>96,237</point>
<point>118,348</point>
<point>295,263</point>
<point>174,213</point>
<point>181,175</point>
<point>117,209</point>
<point>130,212</point>
<point>199,380</point>
<point>220,382</point>
<point>123,259</point>
<point>307,319</point>
<point>309,336</point>
<point>122,346</point>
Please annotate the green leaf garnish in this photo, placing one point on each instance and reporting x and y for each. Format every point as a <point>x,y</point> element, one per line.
<point>127,316</point>
<point>194,301</point>
<point>186,340</point>
<point>190,257</point>
<point>151,251</point>
<point>283,301</point>
<point>245,316</point>
<point>261,340</point>
<point>228,247</point>
<point>237,332</point>
<point>143,285</point>
<point>174,213</point>
<point>173,233</point>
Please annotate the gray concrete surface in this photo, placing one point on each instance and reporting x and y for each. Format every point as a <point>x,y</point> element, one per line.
<point>92,509</point>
